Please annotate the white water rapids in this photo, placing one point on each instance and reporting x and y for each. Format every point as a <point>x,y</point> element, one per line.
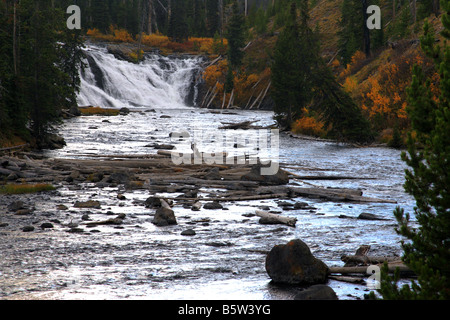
<point>156,82</point>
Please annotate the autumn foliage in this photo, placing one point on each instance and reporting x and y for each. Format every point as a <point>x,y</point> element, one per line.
<point>162,42</point>
<point>247,86</point>
<point>379,85</point>
<point>309,125</point>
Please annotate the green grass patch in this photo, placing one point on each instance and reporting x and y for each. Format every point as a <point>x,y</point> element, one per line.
<point>25,188</point>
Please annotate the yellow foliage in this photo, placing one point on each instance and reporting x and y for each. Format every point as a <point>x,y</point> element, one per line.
<point>90,111</point>
<point>309,126</point>
<point>357,58</point>
<point>155,40</point>
<point>350,84</point>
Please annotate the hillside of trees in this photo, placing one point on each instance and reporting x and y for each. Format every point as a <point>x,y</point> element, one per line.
<point>356,79</point>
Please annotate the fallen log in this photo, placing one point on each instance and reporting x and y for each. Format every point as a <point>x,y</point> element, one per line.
<point>270,218</point>
<point>332,178</point>
<point>363,269</point>
<point>347,279</point>
<point>14,148</point>
<point>240,198</point>
<point>200,155</point>
<point>368,260</point>
<point>335,195</point>
<point>113,221</point>
<point>240,125</point>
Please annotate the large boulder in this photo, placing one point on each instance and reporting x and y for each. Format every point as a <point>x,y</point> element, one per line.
<point>293,263</point>
<point>164,217</point>
<point>280,178</point>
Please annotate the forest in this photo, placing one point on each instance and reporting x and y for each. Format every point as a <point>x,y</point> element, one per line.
<point>366,71</point>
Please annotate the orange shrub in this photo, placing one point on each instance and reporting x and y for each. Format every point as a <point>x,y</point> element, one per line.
<point>309,126</point>
<point>357,60</point>
<point>155,40</point>
<point>120,35</point>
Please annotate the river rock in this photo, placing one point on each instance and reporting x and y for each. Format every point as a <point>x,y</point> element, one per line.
<point>28,229</point>
<point>369,216</point>
<point>213,205</point>
<point>188,232</point>
<point>16,206</point>
<point>164,217</point>
<point>280,178</point>
<point>152,202</point>
<point>213,174</point>
<point>88,204</point>
<point>317,292</point>
<point>119,177</point>
<point>46,225</point>
<point>293,263</point>
<point>23,212</point>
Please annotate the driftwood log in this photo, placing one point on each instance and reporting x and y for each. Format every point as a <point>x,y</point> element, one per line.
<point>270,218</point>
<point>368,260</point>
<point>405,270</point>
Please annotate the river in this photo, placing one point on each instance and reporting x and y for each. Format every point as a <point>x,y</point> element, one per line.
<point>226,258</point>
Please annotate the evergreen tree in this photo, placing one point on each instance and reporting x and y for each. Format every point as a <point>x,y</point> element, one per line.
<point>301,79</point>
<point>427,251</point>
<point>178,28</point>
<point>101,15</point>
<point>354,34</point>
<point>291,71</point>
<point>41,76</point>
<point>235,37</point>
<point>212,17</point>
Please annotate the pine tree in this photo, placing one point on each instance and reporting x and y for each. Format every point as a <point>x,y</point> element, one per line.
<point>41,77</point>
<point>288,90</point>
<point>301,79</point>
<point>212,17</point>
<point>235,37</point>
<point>427,251</point>
<point>178,27</point>
<point>101,15</point>
<point>352,32</point>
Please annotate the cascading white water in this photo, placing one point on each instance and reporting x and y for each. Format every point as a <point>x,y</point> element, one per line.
<point>157,82</point>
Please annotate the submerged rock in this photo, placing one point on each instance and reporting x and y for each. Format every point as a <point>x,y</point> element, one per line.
<point>317,292</point>
<point>16,206</point>
<point>213,205</point>
<point>88,204</point>
<point>28,229</point>
<point>369,216</point>
<point>188,232</point>
<point>293,263</point>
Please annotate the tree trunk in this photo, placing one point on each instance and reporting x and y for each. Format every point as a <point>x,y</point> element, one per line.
<point>150,15</point>
<point>393,9</point>
<point>14,39</point>
<point>366,30</point>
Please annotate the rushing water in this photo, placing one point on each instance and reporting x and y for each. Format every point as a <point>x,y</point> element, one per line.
<point>225,259</point>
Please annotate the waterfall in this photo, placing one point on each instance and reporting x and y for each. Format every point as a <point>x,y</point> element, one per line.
<point>156,82</point>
